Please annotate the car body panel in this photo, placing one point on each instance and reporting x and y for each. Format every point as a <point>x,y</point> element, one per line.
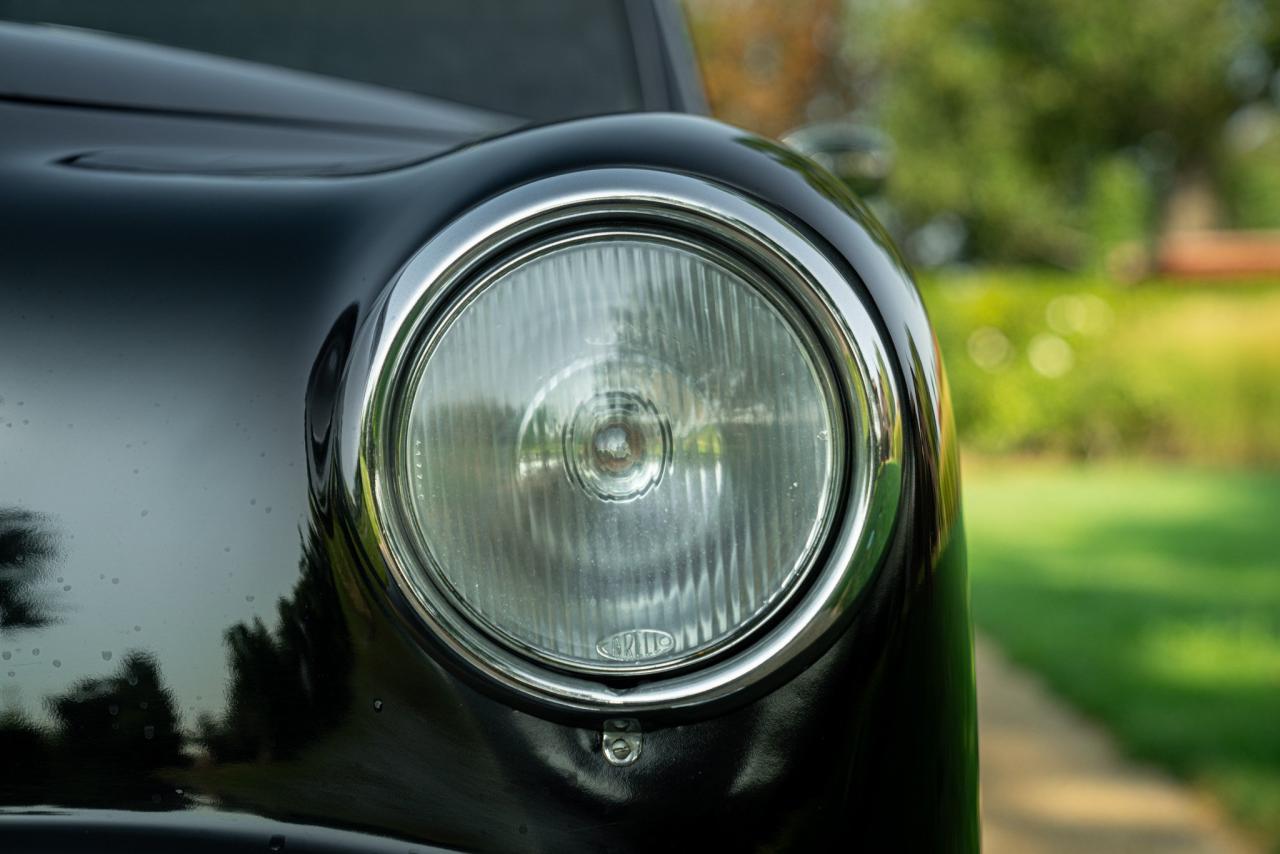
<point>185,628</point>
<point>66,66</point>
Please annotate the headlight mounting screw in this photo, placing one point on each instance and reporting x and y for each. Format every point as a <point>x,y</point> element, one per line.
<point>621,741</point>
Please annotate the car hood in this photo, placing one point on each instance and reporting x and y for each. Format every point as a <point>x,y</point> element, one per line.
<point>349,128</point>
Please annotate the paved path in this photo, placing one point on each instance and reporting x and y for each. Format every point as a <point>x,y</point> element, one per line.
<point>1052,782</point>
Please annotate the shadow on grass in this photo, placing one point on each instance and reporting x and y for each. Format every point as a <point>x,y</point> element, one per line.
<point>1151,601</point>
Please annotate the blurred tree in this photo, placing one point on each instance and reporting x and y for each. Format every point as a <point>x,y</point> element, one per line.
<point>26,547</point>
<point>1253,166</point>
<point>290,685</point>
<point>770,66</point>
<point>1118,213</point>
<point>126,724</point>
<point>27,750</point>
<point>109,740</point>
<point>1012,113</point>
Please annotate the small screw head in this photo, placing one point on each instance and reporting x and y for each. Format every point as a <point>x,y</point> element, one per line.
<point>621,741</point>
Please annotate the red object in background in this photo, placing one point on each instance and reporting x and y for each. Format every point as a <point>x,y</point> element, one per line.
<point>1219,253</point>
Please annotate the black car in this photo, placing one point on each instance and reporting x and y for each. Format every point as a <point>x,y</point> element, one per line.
<point>419,426</point>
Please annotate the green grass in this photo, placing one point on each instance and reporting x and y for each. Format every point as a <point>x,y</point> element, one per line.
<point>1149,598</point>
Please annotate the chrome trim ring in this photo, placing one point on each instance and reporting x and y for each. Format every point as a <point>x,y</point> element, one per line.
<point>388,346</point>
<point>391,445</point>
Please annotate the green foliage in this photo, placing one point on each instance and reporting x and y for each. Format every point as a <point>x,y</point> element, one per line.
<point>1044,363</point>
<point>1149,599</point>
<point>1119,207</point>
<point>1253,178</point>
<point>1001,110</point>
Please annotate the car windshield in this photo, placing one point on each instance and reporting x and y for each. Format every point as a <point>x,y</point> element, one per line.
<point>543,60</point>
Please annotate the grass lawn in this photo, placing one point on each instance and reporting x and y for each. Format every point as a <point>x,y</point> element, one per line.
<point>1149,598</point>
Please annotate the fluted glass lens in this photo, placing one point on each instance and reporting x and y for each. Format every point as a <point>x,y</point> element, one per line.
<point>620,453</point>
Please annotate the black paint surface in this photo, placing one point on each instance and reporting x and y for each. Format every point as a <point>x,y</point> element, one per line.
<point>181,613</point>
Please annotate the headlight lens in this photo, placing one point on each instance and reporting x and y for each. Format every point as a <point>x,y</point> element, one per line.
<point>619,451</point>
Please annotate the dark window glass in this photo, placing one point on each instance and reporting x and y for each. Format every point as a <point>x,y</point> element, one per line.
<point>541,60</point>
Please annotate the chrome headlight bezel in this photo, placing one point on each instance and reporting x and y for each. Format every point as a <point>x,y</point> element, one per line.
<point>435,580</point>
<point>702,212</point>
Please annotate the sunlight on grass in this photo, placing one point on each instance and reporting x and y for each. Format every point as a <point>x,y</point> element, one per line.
<point>1149,597</point>
<point>1212,656</point>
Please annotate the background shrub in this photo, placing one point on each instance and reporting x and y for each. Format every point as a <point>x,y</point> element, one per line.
<point>1049,363</point>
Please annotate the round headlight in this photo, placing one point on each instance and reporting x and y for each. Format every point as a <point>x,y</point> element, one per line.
<point>622,440</point>
<point>620,450</point>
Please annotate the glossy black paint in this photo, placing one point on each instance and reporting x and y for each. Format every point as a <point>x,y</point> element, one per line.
<point>48,65</point>
<point>171,342</point>
<point>114,62</point>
